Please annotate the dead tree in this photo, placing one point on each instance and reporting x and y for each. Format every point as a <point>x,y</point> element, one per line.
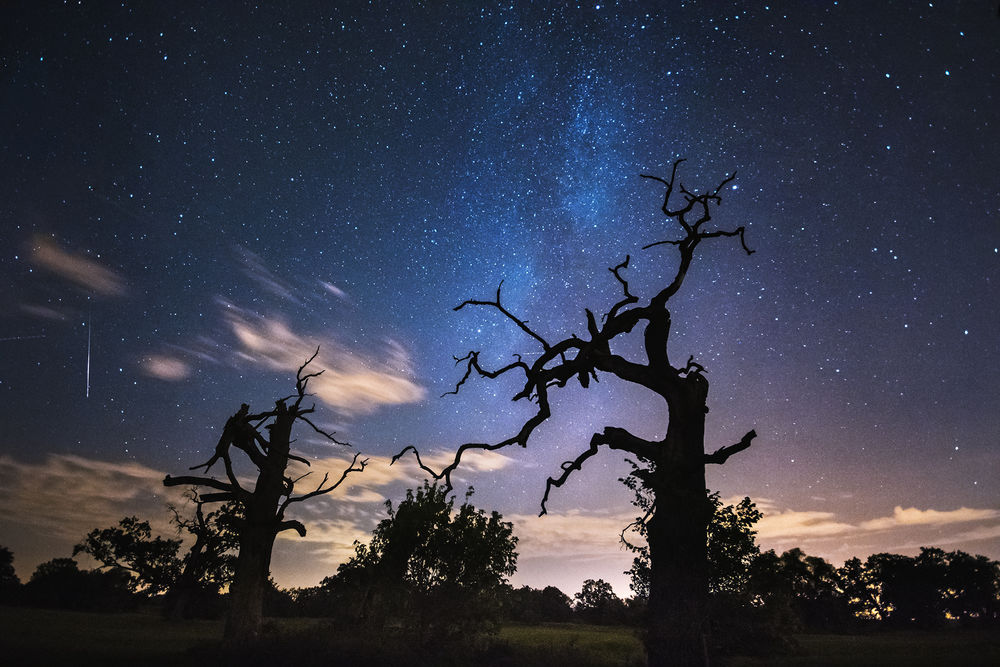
<point>676,523</point>
<point>262,507</point>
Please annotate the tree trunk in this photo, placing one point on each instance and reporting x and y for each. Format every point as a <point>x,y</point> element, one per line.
<point>253,568</point>
<point>677,632</point>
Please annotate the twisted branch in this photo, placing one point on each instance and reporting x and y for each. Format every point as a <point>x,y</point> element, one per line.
<point>523,325</point>
<point>612,437</point>
<point>722,454</point>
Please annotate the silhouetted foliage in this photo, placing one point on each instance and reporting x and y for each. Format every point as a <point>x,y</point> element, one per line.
<point>10,585</point>
<point>925,590</point>
<point>261,510</point>
<point>802,591</point>
<point>730,541</point>
<point>677,520</point>
<point>972,588</point>
<point>533,605</point>
<point>210,563</point>
<point>425,559</point>
<point>597,603</point>
<point>151,563</point>
<point>60,583</point>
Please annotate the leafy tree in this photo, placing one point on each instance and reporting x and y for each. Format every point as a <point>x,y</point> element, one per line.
<point>972,588</point>
<point>9,583</point>
<point>60,583</point>
<point>597,603</point>
<point>677,523</point>
<point>859,595</point>
<point>731,546</point>
<point>425,557</point>
<point>152,563</point>
<point>262,509</point>
<point>923,590</point>
<point>807,587</point>
<point>533,605</point>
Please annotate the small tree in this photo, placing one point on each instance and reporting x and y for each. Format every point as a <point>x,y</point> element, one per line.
<point>263,507</point>
<point>9,583</point>
<point>152,563</point>
<point>427,556</point>
<point>597,603</point>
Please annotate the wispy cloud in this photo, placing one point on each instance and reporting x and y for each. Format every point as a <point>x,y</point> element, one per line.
<point>571,535</point>
<point>166,368</point>
<point>797,524</point>
<point>801,524</point>
<point>353,381</point>
<point>48,506</point>
<point>825,534</point>
<point>255,269</point>
<point>336,291</point>
<point>911,516</point>
<point>65,496</point>
<point>44,312</point>
<point>82,270</point>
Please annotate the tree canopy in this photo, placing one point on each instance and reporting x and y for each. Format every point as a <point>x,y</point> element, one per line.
<point>151,562</point>
<point>427,556</point>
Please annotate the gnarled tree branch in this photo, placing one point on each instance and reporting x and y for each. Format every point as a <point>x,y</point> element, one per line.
<point>722,454</point>
<point>613,438</point>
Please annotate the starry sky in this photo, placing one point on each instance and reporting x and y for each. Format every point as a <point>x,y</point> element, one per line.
<point>193,199</point>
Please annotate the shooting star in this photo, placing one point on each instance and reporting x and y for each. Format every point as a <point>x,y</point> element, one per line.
<point>87,395</point>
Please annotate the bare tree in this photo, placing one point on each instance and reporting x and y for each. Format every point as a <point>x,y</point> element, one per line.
<point>675,476</point>
<point>263,507</point>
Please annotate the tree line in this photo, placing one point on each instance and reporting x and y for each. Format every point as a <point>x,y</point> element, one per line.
<point>431,554</point>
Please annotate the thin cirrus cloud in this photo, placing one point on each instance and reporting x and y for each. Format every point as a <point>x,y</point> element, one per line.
<point>911,516</point>
<point>81,270</point>
<point>336,291</point>
<point>48,506</point>
<point>58,500</point>
<point>255,269</point>
<point>354,382</point>
<point>814,524</point>
<point>162,367</point>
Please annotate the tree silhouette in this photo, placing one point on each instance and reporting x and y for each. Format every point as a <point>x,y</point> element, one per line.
<point>597,603</point>
<point>428,555</point>
<point>676,522</point>
<point>210,563</point>
<point>262,508</point>
<point>9,583</point>
<point>152,563</point>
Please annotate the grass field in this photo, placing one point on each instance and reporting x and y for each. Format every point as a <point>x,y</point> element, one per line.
<point>50,637</point>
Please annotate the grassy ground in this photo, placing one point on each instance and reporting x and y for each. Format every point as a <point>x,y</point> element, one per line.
<point>912,649</point>
<point>49,637</point>
<point>554,645</point>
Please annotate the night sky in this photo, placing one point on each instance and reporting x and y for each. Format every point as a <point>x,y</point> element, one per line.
<point>194,198</point>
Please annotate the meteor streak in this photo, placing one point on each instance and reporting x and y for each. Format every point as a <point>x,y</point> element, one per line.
<point>87,395</point>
